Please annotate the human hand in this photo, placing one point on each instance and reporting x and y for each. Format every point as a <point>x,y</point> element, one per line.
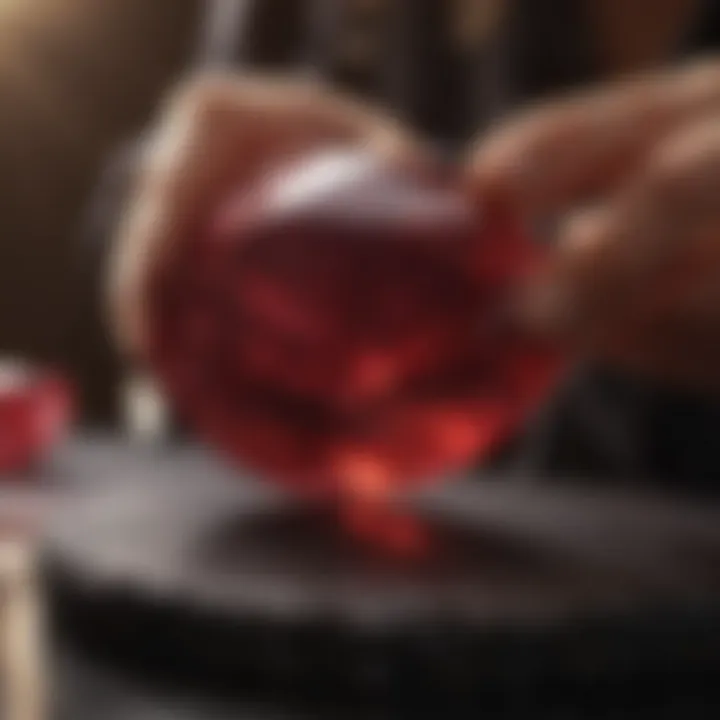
<point>214,134</point>
<point>633,172</point>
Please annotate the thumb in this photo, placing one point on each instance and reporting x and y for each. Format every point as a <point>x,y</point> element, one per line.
<point>582,285</point>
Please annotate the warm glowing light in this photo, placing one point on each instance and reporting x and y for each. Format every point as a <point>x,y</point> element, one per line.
<point>362,476</point>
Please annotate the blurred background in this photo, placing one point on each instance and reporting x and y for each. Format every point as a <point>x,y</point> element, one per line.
<point>80,81</point>
<point>77,79</point>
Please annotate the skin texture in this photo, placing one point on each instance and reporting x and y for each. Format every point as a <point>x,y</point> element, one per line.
<point>634,172</point>
<point>631,170</point>
<point>214,134</point>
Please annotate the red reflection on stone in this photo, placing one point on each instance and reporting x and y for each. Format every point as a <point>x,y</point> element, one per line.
<point>378,526</point>
<point>345,328</point>
<point>35,410</point>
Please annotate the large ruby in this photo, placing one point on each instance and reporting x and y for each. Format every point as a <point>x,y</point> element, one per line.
<point>345,328</point>
<point>35,410</point>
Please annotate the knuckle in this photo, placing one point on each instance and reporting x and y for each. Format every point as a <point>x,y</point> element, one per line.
<point>201,100</point>
<point>687,167</point>
<point>203,104</point>
<point>198,90</point>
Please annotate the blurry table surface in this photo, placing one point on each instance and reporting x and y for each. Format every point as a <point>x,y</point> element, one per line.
<point>129,511</point>
<point>86,693</point>
<point>668,540</point>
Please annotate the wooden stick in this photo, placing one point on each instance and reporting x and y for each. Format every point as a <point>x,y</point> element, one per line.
<point>21,634</point>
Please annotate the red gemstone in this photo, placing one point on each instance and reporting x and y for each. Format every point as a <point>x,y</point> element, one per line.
<point>35,409</point>
<point>346,327</point>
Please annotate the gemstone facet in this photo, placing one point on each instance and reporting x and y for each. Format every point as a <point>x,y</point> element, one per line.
<point>345,327</point>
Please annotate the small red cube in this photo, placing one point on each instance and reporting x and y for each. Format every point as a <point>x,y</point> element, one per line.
<point>35,410</point>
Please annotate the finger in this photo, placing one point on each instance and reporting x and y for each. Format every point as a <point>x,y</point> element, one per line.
<point>556,155</point>
<point>632,277</point>
<point>215,133</point>
<point>251,118</point>
<point>657,325</point>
